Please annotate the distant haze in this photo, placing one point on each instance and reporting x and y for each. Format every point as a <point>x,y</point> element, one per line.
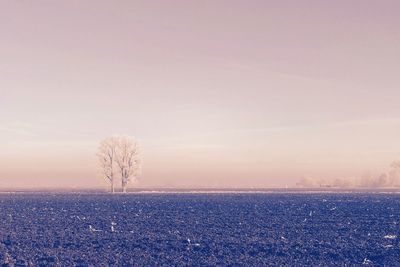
<point>219,93</point>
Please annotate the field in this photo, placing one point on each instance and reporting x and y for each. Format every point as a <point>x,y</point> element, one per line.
<point>199,229</point>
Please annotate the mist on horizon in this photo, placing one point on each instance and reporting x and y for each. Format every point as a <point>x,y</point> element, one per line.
<point>244,94</point>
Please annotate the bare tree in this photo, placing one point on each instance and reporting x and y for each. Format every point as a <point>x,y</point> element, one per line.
<point>127,159</point>
<point>107,157</point>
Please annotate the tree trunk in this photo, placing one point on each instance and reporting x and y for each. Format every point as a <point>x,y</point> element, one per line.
<point>124,184</point>
<point>112,188</point>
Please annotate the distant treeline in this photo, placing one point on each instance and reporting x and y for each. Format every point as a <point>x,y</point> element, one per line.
<point>389,179</point>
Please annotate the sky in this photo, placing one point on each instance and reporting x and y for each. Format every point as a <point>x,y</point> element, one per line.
<point>218,93</point>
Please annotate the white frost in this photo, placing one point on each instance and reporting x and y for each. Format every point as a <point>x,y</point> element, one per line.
<point>112,226</point>
<point>92,229</point>
<point>367,261</point>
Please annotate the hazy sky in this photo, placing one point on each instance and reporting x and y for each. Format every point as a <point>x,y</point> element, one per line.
<point>220,93</point>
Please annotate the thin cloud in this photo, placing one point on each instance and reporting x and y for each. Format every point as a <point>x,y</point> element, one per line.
<point>19,128</point>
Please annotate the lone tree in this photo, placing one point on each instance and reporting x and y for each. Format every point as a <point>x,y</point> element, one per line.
<point>119,154</point>
<point>107,156</point>
<point>128,160</point>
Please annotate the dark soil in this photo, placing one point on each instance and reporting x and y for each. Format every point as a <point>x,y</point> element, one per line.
<point>199,230</point>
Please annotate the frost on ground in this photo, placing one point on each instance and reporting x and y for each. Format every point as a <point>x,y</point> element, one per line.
<point>390,236</point>
<point>199,230</point>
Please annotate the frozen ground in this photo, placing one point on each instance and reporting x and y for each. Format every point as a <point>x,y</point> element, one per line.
<point>200,229</point>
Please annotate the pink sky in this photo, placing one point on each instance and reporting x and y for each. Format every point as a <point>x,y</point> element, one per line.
<point>220,93</point>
